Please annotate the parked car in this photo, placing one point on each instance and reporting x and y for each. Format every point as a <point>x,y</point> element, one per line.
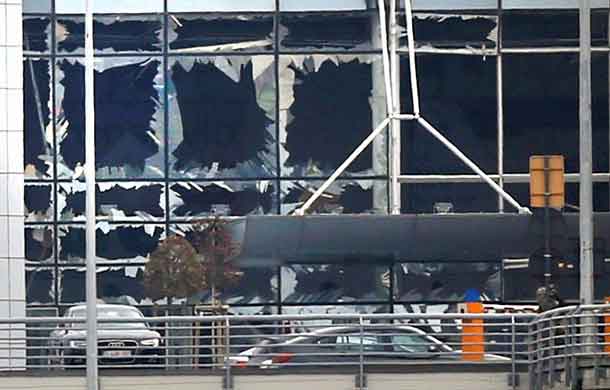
<point>342,345</point>
<point>119,343</point>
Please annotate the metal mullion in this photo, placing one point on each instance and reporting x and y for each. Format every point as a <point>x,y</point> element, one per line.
<point>166,168</point>
<point>278,168</point>
<point>500,106</point>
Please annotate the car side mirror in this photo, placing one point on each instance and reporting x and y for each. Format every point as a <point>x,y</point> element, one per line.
<point>432,348</point>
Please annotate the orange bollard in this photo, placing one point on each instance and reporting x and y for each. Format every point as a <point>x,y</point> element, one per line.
<point>607,330</point>
<point>473,338</point>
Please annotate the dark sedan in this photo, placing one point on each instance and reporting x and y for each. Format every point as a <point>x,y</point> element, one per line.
<point>119,343</point>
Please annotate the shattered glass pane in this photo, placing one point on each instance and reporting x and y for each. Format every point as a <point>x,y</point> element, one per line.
<point>334,308</point>
<point>551,28</point>
<point>462,197</point>
<point>221,115</point>
<point>38,128</point>
<point>521,192</point>
<point>38,202</point>
<point>39,285</point>
<point>600,110</point>
<point>128,121</point>
<point>323,31</point>
<point>115,243</point>
<point>454,4</point>
<point>39,244</point>
<point>36,34</point>
<point>234,198</point>
<point>214,33</point>
<point>541,114</point>
<point>122,201</point>
<point>220,5</point>
<point>328,283</point>
<point>447,281</point>
<point>111,34</point>
<point>451,31</point>
<point>327,106</point>
<point>119,285</point>
<point>458,96</point>
<point>342,197</point>
<point>255,286</point>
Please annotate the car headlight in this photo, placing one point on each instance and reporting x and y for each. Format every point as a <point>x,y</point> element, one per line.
<point>78,344</point>
<point>150,342</point>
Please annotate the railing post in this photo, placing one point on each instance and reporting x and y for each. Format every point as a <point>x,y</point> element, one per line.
<point>513,354</point>
<point>361,384</point>
<point>228,381</point>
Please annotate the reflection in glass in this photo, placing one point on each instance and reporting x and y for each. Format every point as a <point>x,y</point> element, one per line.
<point>38,129</point>
<point>205,33</point>
<point>190,200</point>
<point>330,283</point>
<point>111,34</point>
<point>447,281</point>
<point>116,201</point>
<point>115,243</point>
<point>222,117</point>
<point>128,118</point>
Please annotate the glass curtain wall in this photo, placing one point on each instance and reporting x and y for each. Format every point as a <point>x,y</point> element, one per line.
<point>245,107</point>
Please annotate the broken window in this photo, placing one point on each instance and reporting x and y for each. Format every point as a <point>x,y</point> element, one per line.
<point>114,6</point>
<point>111,34</point>
<point>128,120</point>
<point>38,130</point>
<point>449,197</point>
<point>551,28</point>
<point>38,202</point>
<point>541,114</point>
<point>458,97</point>
<point>119,285</point>
<point>255,285</point>
<point>116,201</point>
<point>342,197</point>
<point>327,31</point>
<point>322,5</point>
<point>451,31</point>
<point>36,34</point>
<point>115,243</point>
<point>326,113</point>
<point>330,283</point>
<point>189,200</point>
<point>39,244</point>
<point>222,117</point>
<point>334,308</point>
<point>444,282</point>
<point>39,285</point>
<point>214,33</point>
<point>521,192</point>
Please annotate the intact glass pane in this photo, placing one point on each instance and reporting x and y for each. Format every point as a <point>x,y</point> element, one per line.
<point>449,197</point>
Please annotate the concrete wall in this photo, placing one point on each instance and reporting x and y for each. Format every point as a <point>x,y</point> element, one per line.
<point>419,381</point>
<point>12,271</point>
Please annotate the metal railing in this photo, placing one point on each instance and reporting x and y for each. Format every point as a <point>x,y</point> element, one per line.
<point>554,343</point>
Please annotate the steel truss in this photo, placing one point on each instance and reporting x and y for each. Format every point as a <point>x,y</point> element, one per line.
<point>392,86</point>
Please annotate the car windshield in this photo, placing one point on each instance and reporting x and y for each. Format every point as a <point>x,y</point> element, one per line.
<point>111,313</point>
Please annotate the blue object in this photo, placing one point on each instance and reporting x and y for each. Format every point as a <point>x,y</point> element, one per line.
<point>472,295</point>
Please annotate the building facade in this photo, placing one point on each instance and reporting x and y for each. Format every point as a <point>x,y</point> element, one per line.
<point>245,108</point>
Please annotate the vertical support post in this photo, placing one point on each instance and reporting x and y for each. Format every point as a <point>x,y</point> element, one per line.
<point>395,132</point>
<point>586,171</point>
<point>473,331</point>
<point>361,385</point>
<point>547,223</point>
<point>500,107</point>
<point>91,287</point>
<point>513,366</point>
